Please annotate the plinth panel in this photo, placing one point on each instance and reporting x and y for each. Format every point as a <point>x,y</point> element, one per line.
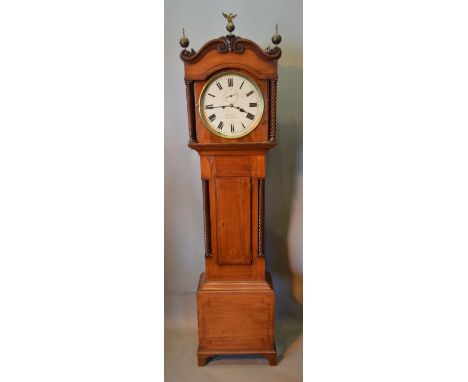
<point>236,318</point>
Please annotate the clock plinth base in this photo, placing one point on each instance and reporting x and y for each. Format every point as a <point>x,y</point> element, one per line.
<point>236,318</point>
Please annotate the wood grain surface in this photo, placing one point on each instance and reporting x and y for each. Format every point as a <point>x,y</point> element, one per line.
<point>235,296</point>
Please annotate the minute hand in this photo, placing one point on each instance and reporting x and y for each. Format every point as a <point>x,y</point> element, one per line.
<point>216,107</point>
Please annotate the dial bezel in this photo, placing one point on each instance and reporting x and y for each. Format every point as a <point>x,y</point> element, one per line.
<point>256,121</point>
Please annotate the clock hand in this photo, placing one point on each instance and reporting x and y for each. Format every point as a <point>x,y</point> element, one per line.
<point>231,105</point>
<point>216,107</point>
<point>240,109</point>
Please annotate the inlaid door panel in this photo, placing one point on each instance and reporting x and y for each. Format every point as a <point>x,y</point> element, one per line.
<point>233,206</point>
<point>236,319</point>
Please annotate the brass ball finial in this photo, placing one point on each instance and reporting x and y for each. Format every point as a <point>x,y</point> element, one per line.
<point>230,25</point>
<point>184,41</point>
<point>276,39</point>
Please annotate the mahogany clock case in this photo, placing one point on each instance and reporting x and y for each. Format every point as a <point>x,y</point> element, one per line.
<point>235,295</point>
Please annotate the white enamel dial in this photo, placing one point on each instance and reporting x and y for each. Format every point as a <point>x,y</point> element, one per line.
<point>231,105</point>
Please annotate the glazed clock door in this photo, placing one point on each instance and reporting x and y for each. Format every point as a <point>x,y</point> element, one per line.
<point>231,105</point>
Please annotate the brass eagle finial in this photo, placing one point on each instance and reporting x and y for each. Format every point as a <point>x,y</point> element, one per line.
<point>230,25</point>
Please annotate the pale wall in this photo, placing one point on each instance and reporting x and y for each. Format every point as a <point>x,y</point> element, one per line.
<point>184,248</point>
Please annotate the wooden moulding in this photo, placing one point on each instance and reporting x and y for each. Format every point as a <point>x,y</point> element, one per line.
<point>229,43</point>
<point>246,285</point>
<point>205,354</point>
<point>232,146</point>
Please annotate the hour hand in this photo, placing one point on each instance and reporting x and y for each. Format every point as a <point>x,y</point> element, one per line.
<point>240,109</point>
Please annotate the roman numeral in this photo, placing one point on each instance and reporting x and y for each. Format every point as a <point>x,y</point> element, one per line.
<point>212,117</point>
<point>209,107</point>
<point>220,126</point>
<point>219,85</point>
<point>249,93</point>
<point>253,104</point>
<point>232,128</point>
<point>250,116</point>
<point>230,82</point>
<point>210,94</point>
<point>243,125</point>
<point>242,84</point>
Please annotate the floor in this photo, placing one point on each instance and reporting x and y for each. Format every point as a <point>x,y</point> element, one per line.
<point>181,363</point>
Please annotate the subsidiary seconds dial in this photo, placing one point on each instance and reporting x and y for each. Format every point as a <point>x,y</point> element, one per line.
<point>231,105</point>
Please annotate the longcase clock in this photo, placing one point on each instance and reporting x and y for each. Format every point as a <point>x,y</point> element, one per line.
<point>231,104</point>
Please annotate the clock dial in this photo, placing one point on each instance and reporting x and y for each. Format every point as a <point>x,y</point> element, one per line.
<point>231,105</point>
